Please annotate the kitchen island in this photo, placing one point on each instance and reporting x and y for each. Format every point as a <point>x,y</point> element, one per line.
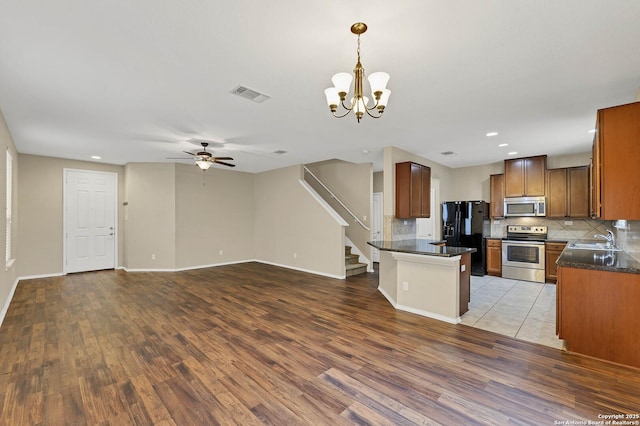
<point>425,277</point>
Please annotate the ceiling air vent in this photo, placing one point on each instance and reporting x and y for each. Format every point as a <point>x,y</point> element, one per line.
<point>447,153</point>
<point>280,152</point>
<point>252,95</point>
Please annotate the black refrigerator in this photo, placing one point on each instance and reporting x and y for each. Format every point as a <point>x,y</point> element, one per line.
<point>465,224</point>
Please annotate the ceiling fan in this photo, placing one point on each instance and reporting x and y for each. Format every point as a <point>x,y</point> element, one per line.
<point>204,159</point>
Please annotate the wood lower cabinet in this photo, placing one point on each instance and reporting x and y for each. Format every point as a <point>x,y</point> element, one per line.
<point>494,257</point>
<point>597,313</point>
<point>568,192</point>
<point>552,252</point>
<point>413,190</point>
<point>616,170</point>
<point>525,176</point>
<point>496,204</point>
<point>465,282</point>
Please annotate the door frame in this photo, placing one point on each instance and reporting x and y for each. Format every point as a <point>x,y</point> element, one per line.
<point>65,173</point>
<point>375,253</point>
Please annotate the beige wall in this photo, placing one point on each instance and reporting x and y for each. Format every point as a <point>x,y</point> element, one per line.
<point>288,221</point>
<point>472,183</point>
<point>8,276</point>
<point>150,216</point>
<point>570,160</point>
<point>378,182</point>
<point>40,211</point>
<point>217,216</point>
<point>353,185</point>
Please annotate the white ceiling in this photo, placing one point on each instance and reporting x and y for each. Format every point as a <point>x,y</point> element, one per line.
<point>135,81</point>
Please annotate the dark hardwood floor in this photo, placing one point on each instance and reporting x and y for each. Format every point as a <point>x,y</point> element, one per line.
<point>257,344</point>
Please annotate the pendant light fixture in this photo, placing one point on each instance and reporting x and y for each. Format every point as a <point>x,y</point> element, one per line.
<point>359,103</point>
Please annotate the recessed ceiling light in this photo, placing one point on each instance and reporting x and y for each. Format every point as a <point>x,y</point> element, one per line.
<point>591,131</point>
<point>512,153</point>
<point>365,151</point>
<point>492,134</point>
<point>96,157</point>
<point>503,145</point>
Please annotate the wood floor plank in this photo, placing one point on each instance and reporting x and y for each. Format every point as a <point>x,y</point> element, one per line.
<point>256,344</point>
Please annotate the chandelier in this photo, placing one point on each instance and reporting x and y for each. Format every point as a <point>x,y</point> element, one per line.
<point>359,103</point>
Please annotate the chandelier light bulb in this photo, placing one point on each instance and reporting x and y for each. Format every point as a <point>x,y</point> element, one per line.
<point>378,81</point>
<point>342,82</point>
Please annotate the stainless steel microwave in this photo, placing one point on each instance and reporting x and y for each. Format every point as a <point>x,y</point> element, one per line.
<point>525,206</point>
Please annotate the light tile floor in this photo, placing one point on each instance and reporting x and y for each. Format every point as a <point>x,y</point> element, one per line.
<point>521,309</point>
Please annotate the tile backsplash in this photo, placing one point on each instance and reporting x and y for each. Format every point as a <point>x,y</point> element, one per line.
<point>577,229</point>
<point>629,239</point>
<point>558,229</point>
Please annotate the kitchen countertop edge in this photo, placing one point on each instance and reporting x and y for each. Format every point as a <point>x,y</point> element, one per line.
<point>599,260</point>
<point>422,247</point>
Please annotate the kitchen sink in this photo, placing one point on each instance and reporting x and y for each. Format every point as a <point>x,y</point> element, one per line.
<point>583,245</point>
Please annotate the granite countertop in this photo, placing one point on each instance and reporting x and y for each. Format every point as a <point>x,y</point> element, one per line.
<point>419,246</point>
<point>614,261</point>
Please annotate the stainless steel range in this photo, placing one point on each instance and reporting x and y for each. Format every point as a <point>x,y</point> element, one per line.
<point>523,253</point>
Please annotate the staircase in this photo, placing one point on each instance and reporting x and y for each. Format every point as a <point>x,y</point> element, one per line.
<point>352,263</point>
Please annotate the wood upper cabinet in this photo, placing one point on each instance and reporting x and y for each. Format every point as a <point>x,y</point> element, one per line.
<point>413,190</point>
<point>494,257</point>
<point>568,192</point>
<point>497,196</point>
<point>616,169</point>
<point>525,176</point>
<point>552,251</point>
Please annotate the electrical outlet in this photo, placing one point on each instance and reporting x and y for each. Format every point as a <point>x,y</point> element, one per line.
<point>463,268</point>
<point>295,255</point>
<point>568,222</point>
<point>496,222</point>
<point>153,256</point>
<point>405,285</point>
<point>364,218</point>
<point>221,252</point>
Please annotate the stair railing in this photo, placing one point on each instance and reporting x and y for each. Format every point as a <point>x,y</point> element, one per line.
<point>337,199</point>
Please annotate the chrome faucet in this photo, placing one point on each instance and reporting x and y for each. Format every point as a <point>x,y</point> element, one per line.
<point>611,239</point>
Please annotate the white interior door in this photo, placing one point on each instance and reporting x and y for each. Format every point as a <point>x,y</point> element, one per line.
<point>376,224</point>
<point>90,220</point>
<point>426,227</point>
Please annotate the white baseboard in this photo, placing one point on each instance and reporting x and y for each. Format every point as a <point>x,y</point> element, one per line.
<point>235,262</point>
<point>339,277</point>
<point>33,277</point>
<point>7,302</point>
<point>418,311</point>
<point>429,314</point>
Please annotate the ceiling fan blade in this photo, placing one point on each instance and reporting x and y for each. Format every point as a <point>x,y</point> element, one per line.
<point>190,153</point>
<point>178,158</point>
<point>223,158</point>
<point>223,163</point>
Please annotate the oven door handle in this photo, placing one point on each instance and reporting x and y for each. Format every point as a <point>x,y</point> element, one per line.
<point>527,243</point>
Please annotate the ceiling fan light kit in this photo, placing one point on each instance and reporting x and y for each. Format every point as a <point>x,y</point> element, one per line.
<point>337,94</point>
<point>204,159</point>
<point>204,165</point>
